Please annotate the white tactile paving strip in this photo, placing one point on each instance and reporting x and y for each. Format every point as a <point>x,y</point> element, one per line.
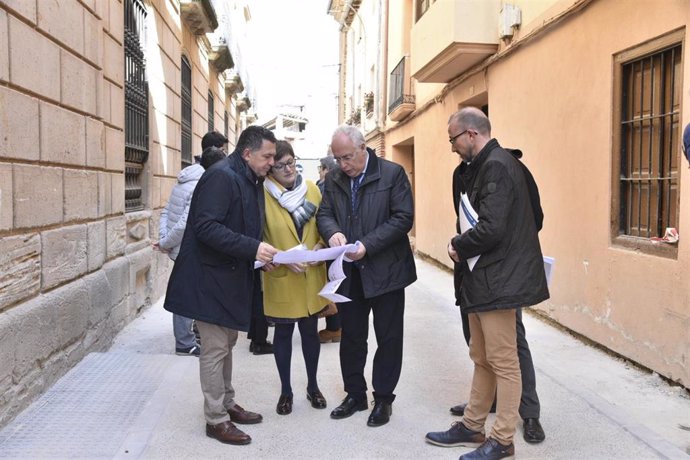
<point>88,412</point>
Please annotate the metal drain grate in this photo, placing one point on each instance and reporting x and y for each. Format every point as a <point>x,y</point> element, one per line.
<point>88,412</point>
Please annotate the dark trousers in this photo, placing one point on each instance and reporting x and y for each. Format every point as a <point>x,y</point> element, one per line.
<point>333,322</point>
<point>388,310</point>
<point>258,325</point>
<point>529,401</point>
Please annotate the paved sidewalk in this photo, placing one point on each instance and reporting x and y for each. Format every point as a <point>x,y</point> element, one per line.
<point>139,400</point>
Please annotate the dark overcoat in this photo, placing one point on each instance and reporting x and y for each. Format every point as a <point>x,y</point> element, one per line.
<point>213,276</point>
<point>384,218</point>
<point>510,269</point>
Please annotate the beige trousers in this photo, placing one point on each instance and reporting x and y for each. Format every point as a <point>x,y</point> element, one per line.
<point>215,369</point>
<point>493,349</point>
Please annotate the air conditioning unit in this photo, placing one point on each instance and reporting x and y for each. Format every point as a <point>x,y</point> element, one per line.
<point>509,18</point>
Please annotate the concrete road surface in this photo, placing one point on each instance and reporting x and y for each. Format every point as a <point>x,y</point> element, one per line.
<point>139,400</point>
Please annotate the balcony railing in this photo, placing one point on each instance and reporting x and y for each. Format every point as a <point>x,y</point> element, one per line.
<point>401,102</point>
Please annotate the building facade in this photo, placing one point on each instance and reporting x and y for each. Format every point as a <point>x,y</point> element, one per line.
<point>102,102</point>
<point>593,92</point>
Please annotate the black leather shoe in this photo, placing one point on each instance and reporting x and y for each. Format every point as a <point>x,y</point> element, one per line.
<point>261,348</point>
<point>348,407</point>
<point>381,414</point>
<point>533,432</point>
<point>490,450</point>
<point>284,406</point>
<point>317,400</point>
<point>457,435</point>
<point>459,410</point>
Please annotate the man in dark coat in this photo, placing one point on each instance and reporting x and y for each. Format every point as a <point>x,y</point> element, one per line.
<point>530,407</point>
<point>369,199</point>
<point>212,280</point>
<point>508,274</point>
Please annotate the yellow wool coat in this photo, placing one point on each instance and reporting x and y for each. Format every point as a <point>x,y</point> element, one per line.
<point>288,294</point>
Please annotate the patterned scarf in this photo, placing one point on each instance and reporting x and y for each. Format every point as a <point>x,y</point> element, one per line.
<point>293,200</point>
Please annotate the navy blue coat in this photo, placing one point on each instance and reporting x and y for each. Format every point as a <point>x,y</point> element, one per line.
<point>385,216</point>
<point>213,276</point>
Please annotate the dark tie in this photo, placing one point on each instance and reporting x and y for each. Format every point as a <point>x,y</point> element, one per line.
<point>356,182</point>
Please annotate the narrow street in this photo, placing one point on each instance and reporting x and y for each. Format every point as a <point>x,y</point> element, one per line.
<point>139,400</point>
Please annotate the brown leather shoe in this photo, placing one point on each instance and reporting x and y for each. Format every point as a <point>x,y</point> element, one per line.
<point>227,433</point>
<point>243,417</point>
<point>326,336</point>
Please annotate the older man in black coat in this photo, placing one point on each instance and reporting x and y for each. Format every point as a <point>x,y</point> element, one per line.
<point>214,278</point>
<point>369,199</point>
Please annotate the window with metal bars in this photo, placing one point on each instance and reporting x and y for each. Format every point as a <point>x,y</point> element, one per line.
<point>210,112</point>
<point>648,134</point>
<point>186,145</point>
<point>136,104</point>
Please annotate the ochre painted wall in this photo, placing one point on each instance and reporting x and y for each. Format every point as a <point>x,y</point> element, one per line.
<point>552,97</point>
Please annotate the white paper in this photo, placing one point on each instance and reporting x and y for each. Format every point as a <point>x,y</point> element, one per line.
<point>336,275</point>
<point>548,268</point>
<point>468,219</point>
<point>301,255</point>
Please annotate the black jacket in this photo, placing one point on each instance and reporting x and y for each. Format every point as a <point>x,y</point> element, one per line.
<point>213,276</point>
<point>384,218</point>
<point>510,270</point>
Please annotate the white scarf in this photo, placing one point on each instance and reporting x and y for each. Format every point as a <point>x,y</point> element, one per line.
<point>293,201</point>
<point>289,199</point>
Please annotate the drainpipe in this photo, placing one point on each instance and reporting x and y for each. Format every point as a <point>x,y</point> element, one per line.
<point>382,70</point>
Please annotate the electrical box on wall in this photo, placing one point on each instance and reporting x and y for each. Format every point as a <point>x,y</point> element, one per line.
<point>509,18</point>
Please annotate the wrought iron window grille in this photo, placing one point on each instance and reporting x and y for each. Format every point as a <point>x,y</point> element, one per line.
<point>136,104</point>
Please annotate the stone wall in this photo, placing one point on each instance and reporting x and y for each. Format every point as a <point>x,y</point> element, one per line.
<point>74,267</point>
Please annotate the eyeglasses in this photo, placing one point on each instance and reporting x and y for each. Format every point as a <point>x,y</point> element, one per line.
<point>345,158</point>
<point>281,166</point>
<point>452,139</point>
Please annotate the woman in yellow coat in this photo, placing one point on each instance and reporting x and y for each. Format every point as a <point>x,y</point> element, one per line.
<point>291,291</point>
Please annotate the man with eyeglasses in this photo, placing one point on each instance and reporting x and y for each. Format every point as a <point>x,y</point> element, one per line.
<point>508,275</point>
<point>369,199</point>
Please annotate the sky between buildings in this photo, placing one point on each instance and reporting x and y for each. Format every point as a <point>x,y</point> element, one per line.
<point>294,64</point>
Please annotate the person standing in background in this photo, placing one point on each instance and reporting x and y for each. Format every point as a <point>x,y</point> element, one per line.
<point>332,331</point>
<point>173,222</point>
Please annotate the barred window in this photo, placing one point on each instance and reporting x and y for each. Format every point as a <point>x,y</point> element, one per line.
<point>210,112</point>
<point>136,104</point>
<point>186,78</point>
<point>646,195</point>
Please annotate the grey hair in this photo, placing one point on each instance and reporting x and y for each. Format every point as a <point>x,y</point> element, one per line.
<point>353,133</point>
<point>328,163</point>
<point>472,118</point>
